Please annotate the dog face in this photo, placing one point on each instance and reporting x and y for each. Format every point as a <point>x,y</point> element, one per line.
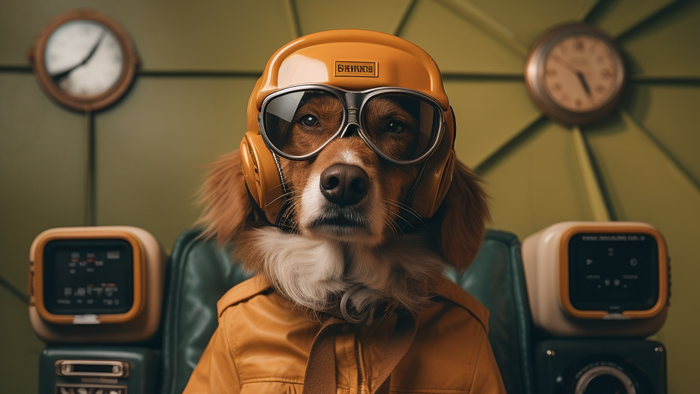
<point>344,212</point>
<point>347,193</point>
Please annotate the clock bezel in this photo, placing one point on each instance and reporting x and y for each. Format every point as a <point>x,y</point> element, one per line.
<point>130,61</point>
<point>535,69</point>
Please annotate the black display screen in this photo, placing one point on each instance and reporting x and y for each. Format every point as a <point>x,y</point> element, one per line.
<point>88,277</point>
<point>613,272</point>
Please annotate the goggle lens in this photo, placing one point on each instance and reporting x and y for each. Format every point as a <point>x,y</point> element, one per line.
<point>298,123</point>
<point>401,126</point>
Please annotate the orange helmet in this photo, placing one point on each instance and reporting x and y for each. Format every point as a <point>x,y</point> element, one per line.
<point>343,62</point>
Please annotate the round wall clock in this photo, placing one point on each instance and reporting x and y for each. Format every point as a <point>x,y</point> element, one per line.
<point>575,73</point>
<point>84,60</point>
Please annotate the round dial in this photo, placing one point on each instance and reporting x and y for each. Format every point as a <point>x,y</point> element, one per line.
<point>575,73</point>
<point>84,60</point>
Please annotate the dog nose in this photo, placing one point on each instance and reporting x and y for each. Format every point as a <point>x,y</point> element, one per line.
<point>344,184</point>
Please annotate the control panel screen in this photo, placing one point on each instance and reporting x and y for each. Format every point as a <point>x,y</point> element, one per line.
<point>88,276</point>
<point>613,272</point>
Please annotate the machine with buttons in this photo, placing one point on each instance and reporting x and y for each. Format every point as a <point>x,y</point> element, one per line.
<point>596,290</point>
<point>96,295</point>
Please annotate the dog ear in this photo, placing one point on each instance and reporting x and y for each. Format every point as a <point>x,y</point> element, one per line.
<point>465,213</point>
<point>225,199</point>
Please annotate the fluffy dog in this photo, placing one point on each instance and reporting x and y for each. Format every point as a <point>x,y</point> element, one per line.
<point>339,242</point>
<point>348,294</point>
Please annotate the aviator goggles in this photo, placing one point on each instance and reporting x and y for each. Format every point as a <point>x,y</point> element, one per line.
<point>402,126</point>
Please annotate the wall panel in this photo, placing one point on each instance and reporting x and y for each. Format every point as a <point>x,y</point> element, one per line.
<point>528,190</point>
<point>456,43</point>
<point>42,170</point>
<point>152,150</point>
<point>317,15</point>
<point>666,46</point>
<point>668,113</point>
<point>19,347</point>
<point>478,106</point>
<point>178,35</point>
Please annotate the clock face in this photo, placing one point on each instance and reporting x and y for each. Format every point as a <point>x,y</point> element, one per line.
<point>579,73</point>
<point>575,73</point>
<point>84,58</point>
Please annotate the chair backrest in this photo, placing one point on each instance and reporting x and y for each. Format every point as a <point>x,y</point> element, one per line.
<point>200,272</point>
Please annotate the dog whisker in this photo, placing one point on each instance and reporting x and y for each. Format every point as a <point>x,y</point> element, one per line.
<point>279,185</point>
<point>405,208</point>
<point>395,226</point>
<point>288,194</point>
<point>390,223</point>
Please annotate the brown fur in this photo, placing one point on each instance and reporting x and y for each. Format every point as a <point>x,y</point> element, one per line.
<point>225,199</point>
<point>460,221</point>
<point>465,212</point>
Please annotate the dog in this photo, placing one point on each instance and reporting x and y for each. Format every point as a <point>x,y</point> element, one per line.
<point>334,247</point>
<point>349,237</point>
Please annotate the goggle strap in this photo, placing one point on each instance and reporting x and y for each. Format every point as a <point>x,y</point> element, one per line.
<point>283,221</point>
<point>279,171</point>
<point>412,192</point>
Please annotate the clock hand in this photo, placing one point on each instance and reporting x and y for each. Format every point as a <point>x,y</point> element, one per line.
<point>566,64</point>
<point>581,78</point>
<point>59,76</point>
<point>578,73</point>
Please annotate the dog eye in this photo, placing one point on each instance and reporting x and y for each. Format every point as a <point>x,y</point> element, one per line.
<point>394,127</point>
<point>309,120</point>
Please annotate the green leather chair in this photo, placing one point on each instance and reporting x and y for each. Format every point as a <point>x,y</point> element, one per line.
<point>200,273</point>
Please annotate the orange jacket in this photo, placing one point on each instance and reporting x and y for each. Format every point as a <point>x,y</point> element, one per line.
<point>262,345</point>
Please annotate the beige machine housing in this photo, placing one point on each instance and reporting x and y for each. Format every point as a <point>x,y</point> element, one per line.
<point>138,324</point>
<point>546,264</point>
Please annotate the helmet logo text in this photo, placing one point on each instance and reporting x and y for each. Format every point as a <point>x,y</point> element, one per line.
<point>355,69</point>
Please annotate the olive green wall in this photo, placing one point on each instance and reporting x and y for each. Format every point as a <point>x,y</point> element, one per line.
<point>200,61</point>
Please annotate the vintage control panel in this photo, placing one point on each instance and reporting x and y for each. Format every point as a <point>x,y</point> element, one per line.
<point>613,272</point>
<point>597,278</point>
<point>88,277</point>
<point>95,284</point>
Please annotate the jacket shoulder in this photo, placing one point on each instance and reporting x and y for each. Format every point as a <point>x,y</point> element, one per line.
<point>242,292</point>
<point>457,295</point>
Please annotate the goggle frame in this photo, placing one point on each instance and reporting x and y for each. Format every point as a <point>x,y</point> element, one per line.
<point>364,97</point>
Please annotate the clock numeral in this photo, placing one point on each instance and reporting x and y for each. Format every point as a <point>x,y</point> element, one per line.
<point>600,89</point>
<point>578,44</point>
<point>606,73</point>
<point>578,103</point>
<point>551,73</point>
<point>557,86</point>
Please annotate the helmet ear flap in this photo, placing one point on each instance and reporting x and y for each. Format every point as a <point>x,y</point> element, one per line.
<point>262,177</point>
<point>437,173</point>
